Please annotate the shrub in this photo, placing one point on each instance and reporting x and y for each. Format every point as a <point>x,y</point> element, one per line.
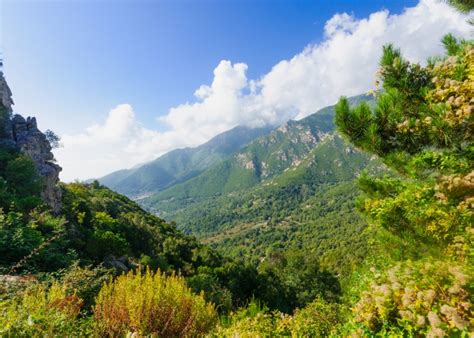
<point>213,290</point>
<point>152,304</point>
<point>35,244</point>
<point>417,298</point>
<point>85,281</point>
<point>252,321</point>
<point>40,311</point>
<point>318,319</point>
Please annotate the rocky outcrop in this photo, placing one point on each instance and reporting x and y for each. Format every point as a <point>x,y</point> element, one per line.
<point>120,264</point>
<point>5,94</point>
<point>24,134</point>
<point>32,142</point>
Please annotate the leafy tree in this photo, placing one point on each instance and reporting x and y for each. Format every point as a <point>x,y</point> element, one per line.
<point>20,184</point>
<point>298,280</point>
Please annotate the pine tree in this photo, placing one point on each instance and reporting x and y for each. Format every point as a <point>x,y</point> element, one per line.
<point>422,128</point>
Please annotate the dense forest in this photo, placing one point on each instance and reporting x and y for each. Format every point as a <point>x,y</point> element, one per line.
<point>380,245</point>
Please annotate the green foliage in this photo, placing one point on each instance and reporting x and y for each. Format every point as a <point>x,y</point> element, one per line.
<point>422,127</point>
<point>103,223</point>
<point>214,292</point>
<point>53,139</point>
<point>84,281</point>
<point>301,280</point>
<point>462,5</point>
<point>251,321</point>
<point>318,319</point>
<point>20,184</point>
<point>4,117</point>
<point>41,239</point>
<point>152,304</point>
<point>42,311</point>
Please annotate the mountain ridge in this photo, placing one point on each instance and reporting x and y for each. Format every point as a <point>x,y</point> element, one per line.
<point>180,164</point>
<point>265,157</point>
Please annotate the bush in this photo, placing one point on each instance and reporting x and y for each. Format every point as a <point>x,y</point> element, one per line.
<point>40,311</point>
<point>85,281</point>
<point>20,184</point>
<point>152,304</point>
<point>252,321</point>
<point>418,298</point>
<point>213,290</point>
<point>32,245</point>
<point>317,319</point>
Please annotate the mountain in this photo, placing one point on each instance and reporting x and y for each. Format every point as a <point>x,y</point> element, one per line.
<point>266,157</point>
<point>291,189</point>
<point>46,225</point>
<point>181,164</point>
<point>89,234</point>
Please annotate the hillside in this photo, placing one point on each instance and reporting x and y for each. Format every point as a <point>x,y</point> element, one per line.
<point>262,159</point>
<point>309,230</point>
<point>293,189</point>
<point>81,235</point>
<point>306,151</point>
<point>309,207</point>
<point>180,165</point>
<point>61,243</point>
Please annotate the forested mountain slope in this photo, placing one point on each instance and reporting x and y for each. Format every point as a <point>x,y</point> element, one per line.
<point>304,262</point>
<point>257,199</point>
<point>60,258</point>
<point>259,161</point>
<point>181,164</point>
<point>310,207</point>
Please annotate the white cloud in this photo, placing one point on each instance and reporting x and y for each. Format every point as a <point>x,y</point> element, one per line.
<point>344,63</point>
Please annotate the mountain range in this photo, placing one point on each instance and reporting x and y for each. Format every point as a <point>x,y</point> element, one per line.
<point>247,189</point>
<point>179,165</point>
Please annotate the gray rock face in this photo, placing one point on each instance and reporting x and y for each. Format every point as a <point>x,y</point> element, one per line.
<point>5,94</point>
<point>25,135</point>
<point>120,264</point>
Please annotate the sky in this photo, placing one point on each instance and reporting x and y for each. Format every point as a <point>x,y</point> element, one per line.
<point>123,82</point>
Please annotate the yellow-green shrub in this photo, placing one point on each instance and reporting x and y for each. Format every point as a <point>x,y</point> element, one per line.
<point>152,304</point>
<point>251,321</point>
<point>40,311</point>
<point>317,319</point>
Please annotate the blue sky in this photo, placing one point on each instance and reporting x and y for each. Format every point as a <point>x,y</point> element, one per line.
<point>77,59</point>
<point>70,63</point>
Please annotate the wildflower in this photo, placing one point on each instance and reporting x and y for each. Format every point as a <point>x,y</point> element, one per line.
<point>420,321</point>
<point>435,333</point>
<point>434,319</point>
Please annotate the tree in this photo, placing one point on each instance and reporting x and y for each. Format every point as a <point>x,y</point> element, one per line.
<point>462,5</point>
<point>422,127</point>
<point>53,139</point>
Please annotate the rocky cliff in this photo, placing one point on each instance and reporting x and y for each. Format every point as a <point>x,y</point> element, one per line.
<point>24,135</point>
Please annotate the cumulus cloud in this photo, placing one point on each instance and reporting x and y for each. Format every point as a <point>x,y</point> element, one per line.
<point>344,63</point>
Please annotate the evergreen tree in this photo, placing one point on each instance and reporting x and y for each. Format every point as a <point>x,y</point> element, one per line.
<point>422,127</point>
